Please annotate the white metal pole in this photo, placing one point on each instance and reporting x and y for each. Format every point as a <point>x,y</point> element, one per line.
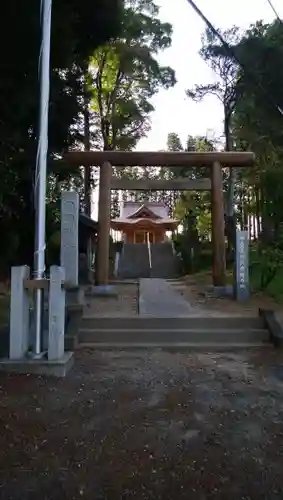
<point>41,166</point>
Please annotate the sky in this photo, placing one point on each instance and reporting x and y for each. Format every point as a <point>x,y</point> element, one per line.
<point>174,112</point>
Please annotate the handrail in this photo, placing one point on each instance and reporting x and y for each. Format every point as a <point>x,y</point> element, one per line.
<point>149,250</point>
<point>116,264</point>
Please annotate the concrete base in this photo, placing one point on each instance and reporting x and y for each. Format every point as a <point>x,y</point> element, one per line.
<point>54,368</point>
<point>101,291</point>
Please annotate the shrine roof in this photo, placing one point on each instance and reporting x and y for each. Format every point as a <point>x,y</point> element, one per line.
<point>132,212</point>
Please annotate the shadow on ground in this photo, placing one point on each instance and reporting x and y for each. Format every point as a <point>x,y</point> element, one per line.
<point>146,425</point>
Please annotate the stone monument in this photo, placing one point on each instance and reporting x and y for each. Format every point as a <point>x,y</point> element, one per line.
<point>241,278</point>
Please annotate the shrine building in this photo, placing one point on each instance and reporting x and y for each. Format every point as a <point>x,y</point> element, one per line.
<point>140,222</point>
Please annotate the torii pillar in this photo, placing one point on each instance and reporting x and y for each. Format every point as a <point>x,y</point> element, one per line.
<point>218,226</point>
<point>104,215</point>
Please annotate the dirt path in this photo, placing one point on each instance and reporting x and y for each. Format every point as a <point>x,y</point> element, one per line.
<point>146,425</point>
<point>125,304</point>
<point>194,287</point>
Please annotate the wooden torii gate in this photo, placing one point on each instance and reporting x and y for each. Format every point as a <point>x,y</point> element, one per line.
<point>214,160</point>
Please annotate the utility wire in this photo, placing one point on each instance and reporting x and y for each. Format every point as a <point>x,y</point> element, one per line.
<point>275,11</point>
<point>230,52</point>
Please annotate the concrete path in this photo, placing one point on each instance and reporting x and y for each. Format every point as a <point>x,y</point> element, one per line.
<point>157,298</point>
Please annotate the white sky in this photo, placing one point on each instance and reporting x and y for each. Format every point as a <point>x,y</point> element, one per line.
<point>174,112</point>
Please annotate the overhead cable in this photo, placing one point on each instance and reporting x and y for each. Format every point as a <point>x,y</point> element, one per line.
<point>231,52</point>
<point>275,12</point>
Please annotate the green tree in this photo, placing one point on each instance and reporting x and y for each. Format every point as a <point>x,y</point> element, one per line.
<point>77,30</point>
<point>174,142</point>
<point>225,89</point>
<point>191,202</point>
<point>257,124</point>
<point>126,75</point>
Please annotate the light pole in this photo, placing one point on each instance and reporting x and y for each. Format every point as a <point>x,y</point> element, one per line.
<point>41,166</point>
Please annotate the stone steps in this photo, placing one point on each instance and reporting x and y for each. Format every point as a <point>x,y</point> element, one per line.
<point>164,263</point>
<point>159,336</point>
<point>133,262</point>
<point>167,320</point>
<point>163,323</point>
<point>176,346</point>
<point>194,332</point>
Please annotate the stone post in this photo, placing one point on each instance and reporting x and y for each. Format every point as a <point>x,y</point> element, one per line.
<point>241,278</point>
<point>56,326</point>
<point>104,209</point>
<point>70,236</point>
<point>218,226</point>
<point>19,313</point>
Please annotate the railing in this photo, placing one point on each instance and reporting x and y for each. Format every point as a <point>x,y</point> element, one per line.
<point>116,264</point>
<point>149,251</point>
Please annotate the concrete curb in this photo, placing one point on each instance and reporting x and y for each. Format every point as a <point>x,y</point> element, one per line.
<point>273,326</point>
<point>55,368</point>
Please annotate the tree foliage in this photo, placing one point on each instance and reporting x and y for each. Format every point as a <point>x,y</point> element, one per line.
<point>126,75</point>
<point>191,202</point>
<point>225,88</point>
<point>256,124</point>
<point>257,121</point>
<point>78,28</point>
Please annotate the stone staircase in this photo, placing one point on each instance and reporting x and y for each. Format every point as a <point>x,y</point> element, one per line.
<point>164,263</point>
<point>134,262</point>
<point>220,333</point>
<point>167,320</point>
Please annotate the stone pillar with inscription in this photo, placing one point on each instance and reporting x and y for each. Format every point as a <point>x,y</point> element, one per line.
<point>56,329</point>
<point>70,236</point>
<point>241,278</point>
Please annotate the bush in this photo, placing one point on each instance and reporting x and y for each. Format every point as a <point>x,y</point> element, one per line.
<point>193,261</point>
<point>266,269</point>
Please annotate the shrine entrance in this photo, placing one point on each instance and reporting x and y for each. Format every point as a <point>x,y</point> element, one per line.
<point>214,160</point>
<point>144,237</point>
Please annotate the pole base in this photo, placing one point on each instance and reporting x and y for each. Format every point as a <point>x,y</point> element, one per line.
<point>37,356</point>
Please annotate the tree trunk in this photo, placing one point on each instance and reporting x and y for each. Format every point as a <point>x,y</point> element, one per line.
<point>87,170</point>
<point>230,216</point>
<point>254,217</point>
<point>231,182</point>
<point>258,212</point>
<point>264,215</point>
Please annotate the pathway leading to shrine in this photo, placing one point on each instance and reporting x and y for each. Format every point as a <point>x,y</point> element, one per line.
<point>162,298</point>
<point>157,298</point>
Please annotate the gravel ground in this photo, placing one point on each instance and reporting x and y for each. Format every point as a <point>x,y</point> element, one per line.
<point>146,425</point>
